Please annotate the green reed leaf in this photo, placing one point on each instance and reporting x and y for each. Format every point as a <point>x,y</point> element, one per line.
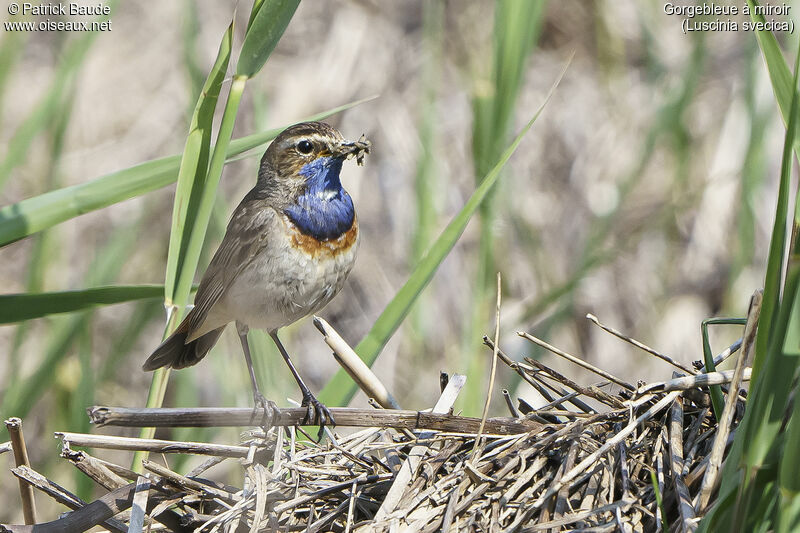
<point>27,306</point>
<point>717,401</point>
<point>32,215</point>
<point>194,238</point>
<point>761,426</point>
<point>783,87</point>
<point>788,477</point>
<point>750,470</point>
<point>788,513</point>
<point>779,74</point>
<point>22,394</point>
<point>267,24</point>
<point>192,176</point>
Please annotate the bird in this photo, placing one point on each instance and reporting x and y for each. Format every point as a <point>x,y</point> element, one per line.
<point>287,250</point>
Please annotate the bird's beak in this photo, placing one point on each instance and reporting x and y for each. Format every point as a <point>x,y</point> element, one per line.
<point>358,149</point>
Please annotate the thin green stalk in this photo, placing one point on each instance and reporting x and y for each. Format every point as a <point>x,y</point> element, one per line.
<point>187,393</point>
<point>774,362</point>
<point>717,400</point>
<point>158,385</point>
<point>340,389</point>
<point>427,175</point>
<point>751,469</point>
<point>659,500</point>
<point>197,233</point>
<point>789,464</point>
<point>516,28</point>
<point>268,20</point>
<point>191,188</point>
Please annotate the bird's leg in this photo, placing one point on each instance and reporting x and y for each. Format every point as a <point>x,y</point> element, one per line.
<point>316,413</point>
<point>268,408</point>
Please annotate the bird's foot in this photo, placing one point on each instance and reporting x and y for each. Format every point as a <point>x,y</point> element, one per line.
<point>270,413</point>
<point>316,413</point>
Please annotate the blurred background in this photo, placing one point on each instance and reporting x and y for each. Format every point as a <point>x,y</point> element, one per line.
<point>635,197</point>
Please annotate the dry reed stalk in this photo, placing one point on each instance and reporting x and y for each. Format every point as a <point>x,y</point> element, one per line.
<point>640,345</point>
<point>355,367</point>
<point>345,416</point>
<point>710,479</point>
<point>576,360</point>
<point>139,505</point>
<point>150,445</point>
<point>14,427</point>
<point>587,468</point>
<point>98,471</point>
<point>60,494</point>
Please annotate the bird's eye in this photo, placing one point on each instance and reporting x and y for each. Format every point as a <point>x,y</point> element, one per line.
<point>305,147</point>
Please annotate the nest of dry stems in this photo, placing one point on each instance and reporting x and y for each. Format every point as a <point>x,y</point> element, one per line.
<point>644,459</point>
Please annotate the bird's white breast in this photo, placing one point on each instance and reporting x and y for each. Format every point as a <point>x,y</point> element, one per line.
<point>293,276</point>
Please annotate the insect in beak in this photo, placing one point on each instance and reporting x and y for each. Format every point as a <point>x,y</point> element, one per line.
<point>358,149</point>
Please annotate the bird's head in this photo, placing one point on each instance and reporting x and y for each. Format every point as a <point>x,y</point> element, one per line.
<point>306,159</point>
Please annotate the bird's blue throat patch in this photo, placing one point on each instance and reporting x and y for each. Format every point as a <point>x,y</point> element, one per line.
<point>325,210</point>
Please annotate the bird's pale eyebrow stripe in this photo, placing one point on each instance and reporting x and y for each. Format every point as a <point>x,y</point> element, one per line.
<point>316,137</point>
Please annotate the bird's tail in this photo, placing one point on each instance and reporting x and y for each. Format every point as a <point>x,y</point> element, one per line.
<point>175,352</point>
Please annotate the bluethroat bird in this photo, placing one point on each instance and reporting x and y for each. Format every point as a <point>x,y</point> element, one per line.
<point>289,246</point>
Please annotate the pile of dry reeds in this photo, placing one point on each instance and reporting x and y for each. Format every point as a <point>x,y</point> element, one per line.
<point>644,459</point>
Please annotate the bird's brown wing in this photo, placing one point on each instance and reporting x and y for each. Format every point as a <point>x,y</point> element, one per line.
<point>245,237</point>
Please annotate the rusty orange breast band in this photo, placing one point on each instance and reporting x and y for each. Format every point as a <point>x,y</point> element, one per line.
<point>319,249</point>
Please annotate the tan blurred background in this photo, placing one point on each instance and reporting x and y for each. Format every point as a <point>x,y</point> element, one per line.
<point>643,194</point>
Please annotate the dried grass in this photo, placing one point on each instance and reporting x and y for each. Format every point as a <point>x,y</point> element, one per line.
<point>590,467</point>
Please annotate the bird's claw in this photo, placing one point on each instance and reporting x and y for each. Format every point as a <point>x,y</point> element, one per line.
<point>270,413</point>
<point>317,414</point>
